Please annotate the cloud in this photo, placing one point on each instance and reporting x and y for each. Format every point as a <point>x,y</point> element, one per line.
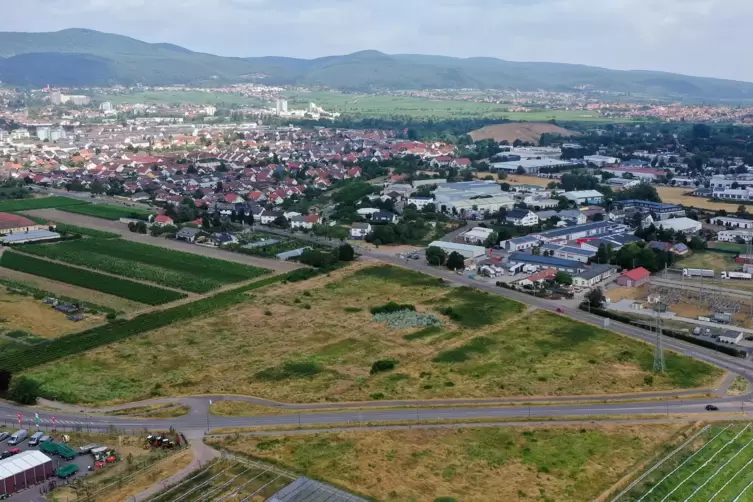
<point>699,37</point>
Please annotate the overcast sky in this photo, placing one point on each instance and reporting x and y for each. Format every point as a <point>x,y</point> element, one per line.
<point>698,37</point>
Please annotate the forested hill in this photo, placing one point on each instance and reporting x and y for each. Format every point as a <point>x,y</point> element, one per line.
<point>83,57</point>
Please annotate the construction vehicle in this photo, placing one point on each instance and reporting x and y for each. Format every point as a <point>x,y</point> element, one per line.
<point>64,451</point>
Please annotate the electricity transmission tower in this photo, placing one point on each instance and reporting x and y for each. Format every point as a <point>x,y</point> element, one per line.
<point>659,364</point>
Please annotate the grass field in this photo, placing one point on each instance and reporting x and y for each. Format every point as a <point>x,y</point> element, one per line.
<point>108,212</point>
<point>185,271</point>
<point>709,260</point>
<point>179,97</point>
<point>380,106</point>
<point>39,203</point>
<point>478,464</point>
<point>317,340</point>
<point>134,291</point>
<point>676,195</point>
<point>25,313</point>
<point>65,228</point>
<point>714,467</point>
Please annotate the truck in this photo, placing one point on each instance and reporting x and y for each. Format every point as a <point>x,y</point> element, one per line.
<point>514,269</point>
<point>740,276</point>
<point>697,272</point>
<point>66,451</point>
<point>66,471</point>
<point>529,269</point>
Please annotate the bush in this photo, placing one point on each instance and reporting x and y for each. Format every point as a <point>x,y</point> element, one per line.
<point>111,316</point>
<point>391,307</point>
<point>377,396</point>
<point>24,390</point>
<point>382,365</point>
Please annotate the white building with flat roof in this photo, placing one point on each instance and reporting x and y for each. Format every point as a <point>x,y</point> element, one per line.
<point>601,160</point>
<point>684,225</point>
<point>469,252</point>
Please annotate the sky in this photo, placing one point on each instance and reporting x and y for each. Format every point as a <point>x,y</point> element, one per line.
<point>696,37</point>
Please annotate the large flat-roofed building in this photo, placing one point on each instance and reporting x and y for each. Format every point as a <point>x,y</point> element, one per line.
<point>13,223</point>
<point>684,225</point>
<point>596,229</point>
<point>530,166</point>
<point>660,209</point>
<point>567,252</point>
<point>465,189</point>
<point>593,275</point>
<point>469,252</point>
<point>570,266</point>
<point>584,196</point>
<point>601,160</point>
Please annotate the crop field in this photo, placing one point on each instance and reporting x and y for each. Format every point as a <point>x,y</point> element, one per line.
<point>175,269</point>
<point>107,212</point>
<point>65,228</point>
<point>676,195</point>
<point>142,293</point>
<point>382,106</point>
<point>318,340</point>
<point>716,466</point>
<point>39,203</point>
<point>565,464</point>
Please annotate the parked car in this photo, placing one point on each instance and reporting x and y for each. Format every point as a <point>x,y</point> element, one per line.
<point>559,310</point>
<point>45,439</point>
<point>711,407</point>
<point>35,438</point>
<point>18,437</point>
<point>4,435</point>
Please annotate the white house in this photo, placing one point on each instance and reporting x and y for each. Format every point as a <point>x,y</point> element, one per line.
<point>522,217</point>
<point>360,230</point>
<point>308,221</point>
<point>267,217</point>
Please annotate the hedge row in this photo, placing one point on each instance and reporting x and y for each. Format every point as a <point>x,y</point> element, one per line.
<point>76,343</point>
<point>142,293</point>
<point>666,332</point>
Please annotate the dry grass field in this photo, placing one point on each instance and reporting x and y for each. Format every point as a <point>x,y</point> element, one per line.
<point>525,131</point>
<point>565,464</point>
<point>25,313</point>
<point>676,195</point>
<point>316,341</point>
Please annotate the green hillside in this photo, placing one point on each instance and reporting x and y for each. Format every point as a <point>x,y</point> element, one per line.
<point>87,57</point>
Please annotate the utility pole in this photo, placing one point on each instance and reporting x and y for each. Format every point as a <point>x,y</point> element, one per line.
<point>659,364</point>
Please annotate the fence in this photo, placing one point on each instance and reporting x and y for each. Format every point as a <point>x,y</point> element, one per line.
<point>46,426</point>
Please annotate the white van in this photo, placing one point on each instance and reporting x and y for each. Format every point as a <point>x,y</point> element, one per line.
<point>18,437</point>
<point>35,438</point>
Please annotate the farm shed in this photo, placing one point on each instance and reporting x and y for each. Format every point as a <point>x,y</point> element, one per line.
<point>24,470</point>
<point>292,254</point>
<point>30,236</point>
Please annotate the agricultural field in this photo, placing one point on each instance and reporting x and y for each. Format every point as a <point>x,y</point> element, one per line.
<point>174,269</point>
<point>565,464</point>
<point>39,203</point>
<point>319,341</point>
<point>108,212</point>
<point>42,287</point>
<point>382,106</point>
<point>676,195</point>
<point>715,466</point>
<point>134,291</point>
<point>65,228</point>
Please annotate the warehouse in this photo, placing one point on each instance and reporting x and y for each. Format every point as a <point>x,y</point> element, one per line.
<point>596,229</point>
<point>547,261</point>
<point>530,166</point>
<point>584,196</point>
<point>24,470</point>
<point>32,236</point>
<point>469,252</point>
<point>519,243</point>
<point>477,235</point>
<point>684,225</point>
<point>567,252</point>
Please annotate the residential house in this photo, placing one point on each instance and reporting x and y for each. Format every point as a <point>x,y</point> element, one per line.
<point>187,234</point>
<point>267,217</point>
<point>162,220</point>
<point>307,221</point>
<point>360,230</point>
<point>522,217</point>
<point>384,217</point>
<point>224,238</point>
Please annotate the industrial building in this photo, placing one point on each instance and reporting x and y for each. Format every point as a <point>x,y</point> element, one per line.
<point>570,266</point>
<point>593,275</point>
<point>661,210</point>
<point>733,235</point>
<point>726,221</point>
<point>530,166</point>
<point>469,252</point>
<point>584,196</point>
<point>596,229</point>
<point>491,204</point>
<point>24,470</point>
<point>31,236</point>
<point>477,235</point>
<point>519,243</point>
<point>567,252</point>
<point>601,160</point>
<point>684,225</point>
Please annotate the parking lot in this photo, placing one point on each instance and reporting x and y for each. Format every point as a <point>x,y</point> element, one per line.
<point>35,493</point>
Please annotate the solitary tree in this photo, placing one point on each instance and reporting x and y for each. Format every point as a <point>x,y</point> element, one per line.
<point>595,297</point>
<point>24,390</point>
<point>435,255</point>
<point>346,253</point>
<point>455,261</point>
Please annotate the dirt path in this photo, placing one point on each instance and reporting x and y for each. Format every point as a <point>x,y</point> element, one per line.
<point>122,229</point>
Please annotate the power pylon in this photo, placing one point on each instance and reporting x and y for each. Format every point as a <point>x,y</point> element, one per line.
<point>659,364</point>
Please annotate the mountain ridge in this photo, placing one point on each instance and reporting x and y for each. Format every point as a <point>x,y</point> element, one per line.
<point>88,57</point>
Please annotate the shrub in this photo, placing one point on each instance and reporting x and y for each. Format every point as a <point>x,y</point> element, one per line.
<point>407,319</point>
<point>24,390</point>
<point>392,307</point>
<point>111,316</point>
<point>383,365</point>
<point>377,396</point>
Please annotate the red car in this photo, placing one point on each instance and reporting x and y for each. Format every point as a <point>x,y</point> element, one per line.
<point>560,311</point>
<point>14,451</point>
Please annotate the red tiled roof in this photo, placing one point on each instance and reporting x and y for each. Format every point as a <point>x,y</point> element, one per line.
<point>10,221</point>
<point>637,274</point>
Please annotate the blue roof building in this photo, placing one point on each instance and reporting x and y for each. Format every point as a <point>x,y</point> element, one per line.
<point>547,261</point>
